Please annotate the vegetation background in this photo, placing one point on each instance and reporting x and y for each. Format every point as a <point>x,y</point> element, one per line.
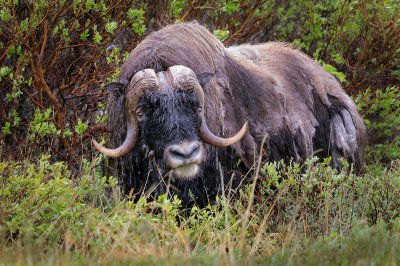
<point>58,204</point>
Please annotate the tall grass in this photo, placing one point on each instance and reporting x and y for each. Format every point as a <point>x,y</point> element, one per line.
<point>313,215</point>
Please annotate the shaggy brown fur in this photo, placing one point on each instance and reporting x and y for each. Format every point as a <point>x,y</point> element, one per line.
<point>279,90</point>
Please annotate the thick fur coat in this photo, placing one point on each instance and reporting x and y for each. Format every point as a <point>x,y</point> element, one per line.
<point>281,92</point>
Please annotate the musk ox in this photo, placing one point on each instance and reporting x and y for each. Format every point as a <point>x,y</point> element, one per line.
<point>187,108</point>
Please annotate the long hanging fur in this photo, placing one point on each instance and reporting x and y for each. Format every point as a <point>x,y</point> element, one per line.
<point>276,88</point>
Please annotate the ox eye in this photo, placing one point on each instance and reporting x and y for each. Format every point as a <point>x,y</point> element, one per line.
<point>139,114</point>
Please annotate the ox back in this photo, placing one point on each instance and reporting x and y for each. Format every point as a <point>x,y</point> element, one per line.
<point>282,94</point>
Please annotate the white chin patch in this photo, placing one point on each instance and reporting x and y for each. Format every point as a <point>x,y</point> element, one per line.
<point>187,171</point>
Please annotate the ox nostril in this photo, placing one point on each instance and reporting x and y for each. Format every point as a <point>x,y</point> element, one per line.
<point>184,151</point>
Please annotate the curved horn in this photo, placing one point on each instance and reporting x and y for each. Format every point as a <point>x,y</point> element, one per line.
<point>212,139</point>
<point>143,80</point>
<point>185,78</point>
<point>127,146</point>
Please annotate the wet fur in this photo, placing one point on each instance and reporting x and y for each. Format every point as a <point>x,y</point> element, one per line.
<point>279,90</point>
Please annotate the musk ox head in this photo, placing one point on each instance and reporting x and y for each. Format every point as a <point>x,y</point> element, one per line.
<point>165,110</point>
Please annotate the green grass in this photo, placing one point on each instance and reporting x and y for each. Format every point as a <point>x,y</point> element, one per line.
<point>310,217</point>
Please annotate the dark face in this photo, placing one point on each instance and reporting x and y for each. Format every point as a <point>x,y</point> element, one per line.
<point>163,116</point>
<point>169,124</point>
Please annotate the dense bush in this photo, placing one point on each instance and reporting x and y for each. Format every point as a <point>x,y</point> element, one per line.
<point>85,218</point>
<point>382,118</point>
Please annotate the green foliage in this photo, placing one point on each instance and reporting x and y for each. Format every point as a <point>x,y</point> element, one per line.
<point>229,6</point>
<point>40,201</point>
<point>347,216</point>
<point>337,74</point>
<point>42,125</point>
<point>357,38</point>
<point>111,26</point>
<point>55,56</point>
<point>15,122</point>
<point>85,34</point>
<point>97,35</point>
<point>176,7</point>
<point>101,118</point>
<point>221,34</point>
<point>5,14</point>
<point>382,118</point>
<point>4,71</point>
<point>6,129</point>
<point>137,20</point>
<point>114,57</point>
<point>80,127</point>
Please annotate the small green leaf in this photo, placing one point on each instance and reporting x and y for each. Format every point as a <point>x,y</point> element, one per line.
<point>7,128</point>
<point>80,127</point>
<point>111,26</point>
<point>84,35</point>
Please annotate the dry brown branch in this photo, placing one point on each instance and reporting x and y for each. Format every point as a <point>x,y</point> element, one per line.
<point>44,39</point>
<point>42,81</point>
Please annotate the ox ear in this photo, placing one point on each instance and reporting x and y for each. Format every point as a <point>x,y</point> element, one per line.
<point>116,88</point>
<point>204,78</point>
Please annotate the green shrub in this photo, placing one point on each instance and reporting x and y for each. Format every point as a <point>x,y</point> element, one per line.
<point>381,112</point>
<point>84,220</point>
<point>40,201</point>
<point>56,57</point>
<point>359,39</point>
